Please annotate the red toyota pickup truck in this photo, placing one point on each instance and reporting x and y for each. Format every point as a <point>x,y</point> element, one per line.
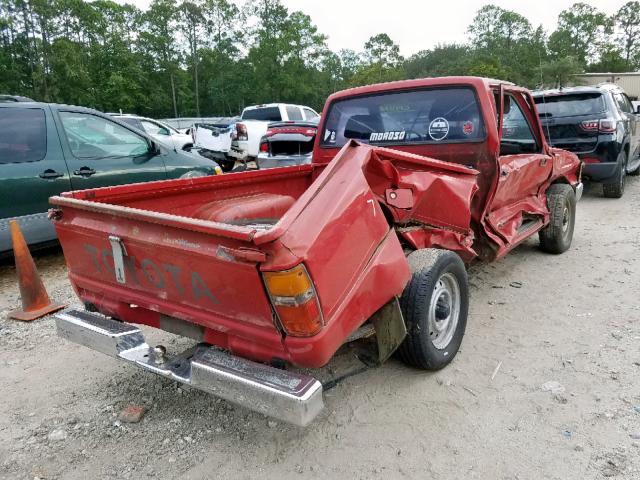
<point>410,181</point>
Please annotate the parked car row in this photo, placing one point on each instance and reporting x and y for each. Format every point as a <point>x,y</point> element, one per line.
<point>46,148</point>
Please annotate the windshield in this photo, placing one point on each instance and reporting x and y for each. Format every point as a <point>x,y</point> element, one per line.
<point>571,105</point>
<point>422,116</point>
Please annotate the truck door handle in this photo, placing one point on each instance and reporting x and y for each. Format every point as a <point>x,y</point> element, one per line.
<point>84,172</point>
<point>49,174</point>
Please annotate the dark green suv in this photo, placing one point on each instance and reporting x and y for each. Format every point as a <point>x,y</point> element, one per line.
<point>46,149</point>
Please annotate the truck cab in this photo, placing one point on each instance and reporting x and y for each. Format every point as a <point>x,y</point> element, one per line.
<point>485,125</point>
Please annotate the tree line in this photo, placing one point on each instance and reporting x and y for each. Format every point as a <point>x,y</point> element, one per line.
<point>211,57</point>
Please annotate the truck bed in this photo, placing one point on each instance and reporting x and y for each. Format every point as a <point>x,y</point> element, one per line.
<point>189,255</point>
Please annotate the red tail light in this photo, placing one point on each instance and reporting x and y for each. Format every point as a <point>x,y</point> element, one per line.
<point>241,132</point>
<point>605,125</point>
<point>264,147</point>
<point>308,132</point>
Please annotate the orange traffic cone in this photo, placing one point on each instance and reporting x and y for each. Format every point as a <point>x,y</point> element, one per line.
<point>35,300</point>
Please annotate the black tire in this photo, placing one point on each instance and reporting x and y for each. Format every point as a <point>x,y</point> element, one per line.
<point>556,237</point>
<point>424,304</point>
<point>240,168</point>
<point>616,189</point>
<point>226,165</point>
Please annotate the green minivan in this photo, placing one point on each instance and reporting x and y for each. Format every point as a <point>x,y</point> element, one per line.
<point>46,149</point>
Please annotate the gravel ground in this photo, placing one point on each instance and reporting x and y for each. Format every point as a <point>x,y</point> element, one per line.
<point>545,387</point>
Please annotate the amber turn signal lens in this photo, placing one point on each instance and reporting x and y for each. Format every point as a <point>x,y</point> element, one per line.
<point>288,283</point>
<point>295,301</point>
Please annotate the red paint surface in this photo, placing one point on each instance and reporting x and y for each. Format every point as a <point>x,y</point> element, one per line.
<point>196,248</point>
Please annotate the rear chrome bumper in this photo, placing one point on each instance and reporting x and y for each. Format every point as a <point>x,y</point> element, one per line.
<point>287,396</point>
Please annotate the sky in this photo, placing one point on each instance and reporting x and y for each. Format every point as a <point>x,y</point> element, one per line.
<point>415,24</point>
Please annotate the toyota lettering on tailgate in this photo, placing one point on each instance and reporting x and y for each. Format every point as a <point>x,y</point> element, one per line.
<point>151,274</point>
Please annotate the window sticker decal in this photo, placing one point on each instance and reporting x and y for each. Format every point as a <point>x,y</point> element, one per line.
<point>439,129</point>
<point>330,136</point>
<point>467,128</point>
<point>387,136</point>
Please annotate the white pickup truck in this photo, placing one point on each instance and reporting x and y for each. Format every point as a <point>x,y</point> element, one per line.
<point>240,140</point>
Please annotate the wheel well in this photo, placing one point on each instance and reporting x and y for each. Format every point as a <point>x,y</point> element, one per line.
<point>561,180</point>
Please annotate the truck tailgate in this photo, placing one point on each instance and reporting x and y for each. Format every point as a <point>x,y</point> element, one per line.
<point>172,266</point>
<point>212,137</point>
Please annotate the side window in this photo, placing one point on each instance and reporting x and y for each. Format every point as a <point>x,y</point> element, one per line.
<point>153,128</point>
<point>623,103</point>
<point>309,114</point>
<point>134,122</point>
<point>90,136</point>
<point>517,136</point>
<point>293,113</point>
<point>23,135</point>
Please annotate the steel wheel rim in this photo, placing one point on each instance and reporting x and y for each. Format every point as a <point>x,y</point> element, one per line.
<point>444,311</point>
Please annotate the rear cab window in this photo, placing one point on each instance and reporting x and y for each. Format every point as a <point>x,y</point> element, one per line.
<point>268,114</point>
<point>23,135</point>
<point>570,105</point>
<point>435,115</point>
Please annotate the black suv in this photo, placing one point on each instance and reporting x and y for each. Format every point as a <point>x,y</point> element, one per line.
<point>598,124</point>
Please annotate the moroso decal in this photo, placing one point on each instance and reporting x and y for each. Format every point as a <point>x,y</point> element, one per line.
<point>148,273</point>
<point>439,129</point>
<point>386,136</point>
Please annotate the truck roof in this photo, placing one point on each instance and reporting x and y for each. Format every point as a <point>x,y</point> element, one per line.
<point>609,87</point>
<point>45,104</point>
<point>479,82</point>
<point>265,105</point>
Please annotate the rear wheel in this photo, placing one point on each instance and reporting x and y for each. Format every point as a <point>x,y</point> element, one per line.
<point>556,237</point>
<point>435,304</point>
<point>616,189</point>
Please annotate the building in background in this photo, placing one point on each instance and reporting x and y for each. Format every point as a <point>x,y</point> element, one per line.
<point>629,81</point>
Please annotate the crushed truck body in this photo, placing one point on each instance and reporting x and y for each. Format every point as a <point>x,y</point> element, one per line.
<point>265,269</point>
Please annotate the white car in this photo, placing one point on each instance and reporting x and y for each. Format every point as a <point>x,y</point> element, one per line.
<point>158,130</point>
